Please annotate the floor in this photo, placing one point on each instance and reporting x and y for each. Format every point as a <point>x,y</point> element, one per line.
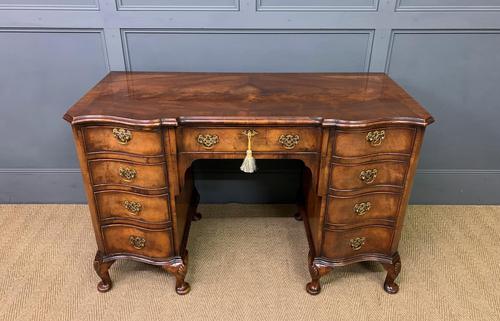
<point>248,262</point>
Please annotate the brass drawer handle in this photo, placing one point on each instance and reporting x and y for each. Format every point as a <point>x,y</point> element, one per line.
<point>123,135</point>
<point>362,208</point>
<point>127,174</point>
<point>137,242</point>
<point>357,243</point>
<point>208,141</point>
<point>368,175</point>
<point>376,137</point>
<point>133,207</point>
<point>289,141</point>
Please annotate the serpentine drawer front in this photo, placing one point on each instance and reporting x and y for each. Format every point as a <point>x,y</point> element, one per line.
<point>122,139</point>
<point>354,143</point>
<point>107,172</point>
<point>358,136</point>
<point>349,244</point>
<point>363,208</point>
<point>370,174</point>
<point>131,206</point>
<point>139,241</point>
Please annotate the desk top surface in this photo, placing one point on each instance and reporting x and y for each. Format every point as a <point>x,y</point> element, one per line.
<point>327,99</point>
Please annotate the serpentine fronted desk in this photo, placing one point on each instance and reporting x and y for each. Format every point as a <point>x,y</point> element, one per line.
<point>358,135</point>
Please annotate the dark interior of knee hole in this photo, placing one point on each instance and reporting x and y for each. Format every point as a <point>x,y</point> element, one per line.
<point>276,181</point>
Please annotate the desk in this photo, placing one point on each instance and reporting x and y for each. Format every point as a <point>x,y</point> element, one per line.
<point>137,135</point>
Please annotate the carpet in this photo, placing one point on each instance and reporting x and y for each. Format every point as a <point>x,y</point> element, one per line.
<point>249,262</point>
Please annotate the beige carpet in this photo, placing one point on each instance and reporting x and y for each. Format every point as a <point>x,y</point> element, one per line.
<point>249,263</point>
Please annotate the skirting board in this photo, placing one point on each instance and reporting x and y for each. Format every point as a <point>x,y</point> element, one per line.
<point>430,187</point>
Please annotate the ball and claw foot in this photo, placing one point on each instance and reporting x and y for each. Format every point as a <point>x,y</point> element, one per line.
<point>392,273</point>
<point>391,288</point>
<point>183,288</point>
<point>103,287</point>
<point>313,288</point>
<point>297,216</point>
<point>196,216</point>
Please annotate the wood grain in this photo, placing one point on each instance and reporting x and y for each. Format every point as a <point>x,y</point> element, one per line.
<point>353,143</point>
<point>157,245</point>
<point>142,142</point>
<point>266,140</point>
<point>152,99</point>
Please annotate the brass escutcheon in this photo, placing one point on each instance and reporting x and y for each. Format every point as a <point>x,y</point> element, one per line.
<point>368,175</point>
<point>289,141</point>
<point>250,132</point>
<point>127,174</point>
<point>362,208</point>
<point>376,137</point>
<point>357,243</point>
<point>123,135</point>
<point>133,207</point>
<point>208,141</point>
<point>137,242</point>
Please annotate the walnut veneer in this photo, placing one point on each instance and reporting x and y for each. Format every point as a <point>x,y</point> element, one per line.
<point>358,135</point>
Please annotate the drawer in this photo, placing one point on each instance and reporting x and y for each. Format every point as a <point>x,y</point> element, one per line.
<point>275,139</point>
<point>354,143</point>
<point>122,139</point>
<point>115,172</point>
<point>347,243</point>
<point>371,174</point>
<point>128,239</point>
<point>134,206</point>
<point>363,208</point>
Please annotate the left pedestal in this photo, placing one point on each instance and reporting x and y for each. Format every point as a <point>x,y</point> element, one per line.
<point>126,176</point>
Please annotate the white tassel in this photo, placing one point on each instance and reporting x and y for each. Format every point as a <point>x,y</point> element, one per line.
<point>249,165</point>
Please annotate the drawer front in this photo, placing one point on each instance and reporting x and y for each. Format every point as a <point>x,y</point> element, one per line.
<point>362,209</point>
<point>128,205</point>
<point>347,243</point>
<point>373,174</point>
<point>276,139</point>
<point>150,243</point>
<point>122,139</point>
<point>113,172</point>
<point>354,143</point>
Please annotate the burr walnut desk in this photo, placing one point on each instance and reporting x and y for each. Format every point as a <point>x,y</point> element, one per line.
<point>137,135</point>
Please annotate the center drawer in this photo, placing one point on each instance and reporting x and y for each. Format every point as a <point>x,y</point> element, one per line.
<point>266,139</point>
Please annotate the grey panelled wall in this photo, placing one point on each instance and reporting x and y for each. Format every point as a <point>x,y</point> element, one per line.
<point>178,4</point>
<point>225,51</point>
<point>444,52</point>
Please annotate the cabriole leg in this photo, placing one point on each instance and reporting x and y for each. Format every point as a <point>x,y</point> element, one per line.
<point>179,270</point>
<point>102,270</point>
<point>392,273</point>
<point>317,271</point>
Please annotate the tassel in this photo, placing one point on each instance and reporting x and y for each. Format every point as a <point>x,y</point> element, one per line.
<point>249,165</point>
